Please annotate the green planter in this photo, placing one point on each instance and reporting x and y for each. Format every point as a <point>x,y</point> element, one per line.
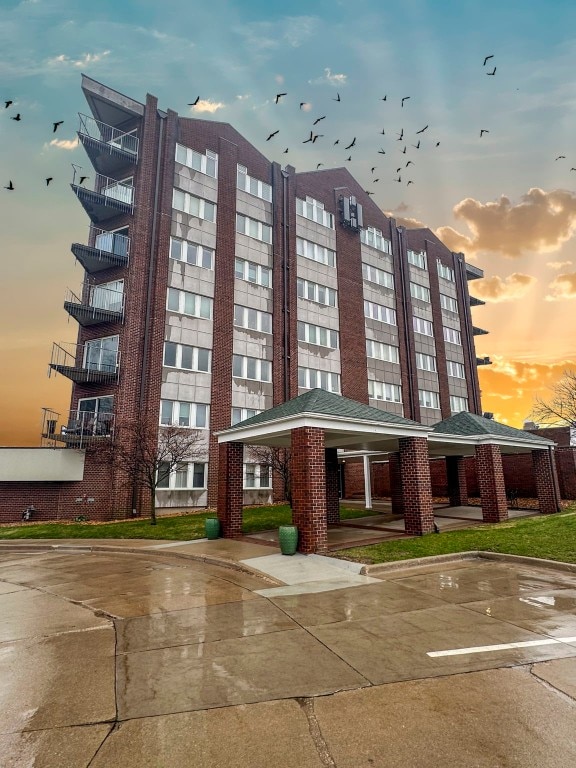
<point>288,539</point>
<point>212,527</point>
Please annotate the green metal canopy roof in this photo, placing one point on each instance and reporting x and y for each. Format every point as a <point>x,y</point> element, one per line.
<point>471,425</point>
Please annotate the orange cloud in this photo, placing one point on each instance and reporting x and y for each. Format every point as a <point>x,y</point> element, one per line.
<point>562,287</point>
<point>495,289</point>
<point>404,221</point>
<point>558,264</point>
<point>540,223</point>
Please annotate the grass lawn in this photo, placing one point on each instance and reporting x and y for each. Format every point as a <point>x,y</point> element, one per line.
<point>181,528</point>
<point>550,537</point>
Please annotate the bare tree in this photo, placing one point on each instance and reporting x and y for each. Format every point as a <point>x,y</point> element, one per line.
<point>561,407</point>
<point>278,459</point>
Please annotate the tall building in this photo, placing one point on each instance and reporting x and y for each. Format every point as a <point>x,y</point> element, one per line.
<point>218,284</point>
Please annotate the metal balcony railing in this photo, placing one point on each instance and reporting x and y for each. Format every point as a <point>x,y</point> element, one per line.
<point>77,428</point>
<point>95,362</point>
<point>105,250</point>
<point>108,148</point>
<point>109,197</point>
<point>97,303</point>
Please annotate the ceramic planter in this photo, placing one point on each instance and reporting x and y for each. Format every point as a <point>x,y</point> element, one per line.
<point>212,527</point>
<point>288,539</point>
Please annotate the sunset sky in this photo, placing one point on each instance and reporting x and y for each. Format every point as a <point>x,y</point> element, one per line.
<point>505,199</point>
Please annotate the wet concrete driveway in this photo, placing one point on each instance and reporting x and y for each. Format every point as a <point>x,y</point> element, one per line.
<point>150,658</point>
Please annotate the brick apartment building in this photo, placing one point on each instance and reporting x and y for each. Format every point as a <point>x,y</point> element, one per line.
<point>218,284</point>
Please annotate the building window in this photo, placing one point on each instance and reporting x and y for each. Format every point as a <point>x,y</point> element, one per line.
<point>186,358</point>
<point>102,354</point>
<point>317,334</point>
<point>206,164</point>
<point>378,276</point>
<point>252,273</point>
<point>108,296</point>
<point>194,206</point>
<point>425,362</point>
<point>379,390</point>
<point>428,399</point>
<point>420,292</point>
<point>251,368</point>
<point>379,351</point>
<point>458,404</point>
<point>417,258</point>
<point>456,369</point>
<point>314,210</point>
<point>452,335</point>
<point>379,312</point>
<point>309,378</point>
<point>373,237</point>
<point>187,303</point>
<point>320,294</point>
<point>253,228</point>
<point>180,414</point>
<point>241,414</point>
<point>253,319</point>
<point>257,476</point>
<point>448,303</point>
<point>191,253</point>
<point>315,252</point>
<point>185,476</point>
<point>422,326</point>
<point>253,186</point>
<point>94,416</point>
<point>446,272</point>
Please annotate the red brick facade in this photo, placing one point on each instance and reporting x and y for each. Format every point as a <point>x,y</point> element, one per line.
<point>456,477</point>
<point>416,493</point>
<point>491,482</point>
<point>230,493</point>
<point>332,486</point>
<point>309,489</point>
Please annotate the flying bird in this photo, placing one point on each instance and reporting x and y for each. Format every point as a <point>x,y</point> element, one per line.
<point>398,169</point>
<point>437,143</point>
<point>484,130</point>
<point>303,104</point>
<point>404,99</point>
<point>384,98</point>
<point>318,166</point>
<point>381,152</point>
<point>279,96</point>
<point>48,180</point>
<point>317,136</point>
<point>375,180</point>
<point>410,162</point>
<point>285,151</point>
<point>422,131</point>
<point>398,179</point>
<point>82,179</point>
<point>561,157</point>
<point>368,193</point>
<point>409,182</point>
<point>310,139</point>
<point>16,117</point>
<point>573,169</point>
<point>492,73</point>
<point>10,186</point>
<point>193,104</point>
<point>337,97</point>
<point>417,146</point>
<point>272,135</point>
<point>383,132</point>
<point>486,59</point>
<point>401,134</point>
<point>352,143</point>
<point>7,104</point>
<point>349,159</point>
<point>337,142</point>
<point>56,125</point>
<point>372,169</point>
<point>404,150</point>
<point>318,119</point>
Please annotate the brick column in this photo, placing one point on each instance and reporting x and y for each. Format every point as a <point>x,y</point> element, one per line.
<point>332,489</point>
<point>309,489</point>
<point>491,483</point>
<point>416,485</point>
<point>456,475</point>
<point>546,485</point>
<point>396,484</point>
<point>230,491</point>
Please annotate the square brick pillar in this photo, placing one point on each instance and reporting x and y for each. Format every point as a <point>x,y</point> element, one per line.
<point>332,486</point>
<point>491,483</point>
<point>457,486</point>
<point>230,491</point>
<point>546,482</point>
<point>309,489</point>
<point>416,485</point>
<point>396,484</point>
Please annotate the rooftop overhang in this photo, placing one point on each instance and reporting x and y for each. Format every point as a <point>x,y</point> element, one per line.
<point>460,445</point>
<point>109,106</point>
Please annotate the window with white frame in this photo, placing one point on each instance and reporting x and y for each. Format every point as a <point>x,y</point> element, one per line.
<point>452,335</point>
<point>252,273</point>
<point>317,334</point>
<point>379,351</point>
<point>241,414</point>
<point>446,272</point>
<point>309,378</point>
<point>192,253</point>
<point>194,206</point>
<point>101,354</point>
<point>448,303</point>
<point>251,368</point>
<point>378,276</point>
<point>422,326</point>
<point>109,296</point>
<point>428,399</point>
<point>253,186</point>
<point>315,252</point>
<point>181,414</point>
<point>253,319</point>
<point>380,390</point>
<point>420,292</point>
<point>320,294</point>
<point>456,369</point>
<point>458,404</point>
<point>205,163</point>
<point>417,258</point>
<point>314,210</point>
<point>187,303</point>
<point>184,476</point>
<point>253,228</point>
<point>374,238</point>
<point>186,358</point>
<point>257,476</point>
<point>425,362</point>
<point>379,312</point>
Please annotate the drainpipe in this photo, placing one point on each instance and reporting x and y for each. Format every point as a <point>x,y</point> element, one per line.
<point>470,346</point>
<point>286,287</point>
<point>406,323</point>
<point>552,470</point>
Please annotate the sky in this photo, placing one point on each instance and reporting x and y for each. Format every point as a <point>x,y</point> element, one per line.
<point>504,198</point>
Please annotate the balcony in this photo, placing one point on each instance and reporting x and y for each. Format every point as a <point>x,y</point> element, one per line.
<point>78,428</point>
<point>478,331</point>
<point>474,302</point>
<point>95,362</point>
<point>110,249</point>
<point>103,303</point>
<point>483,361</point>
<point>109,149</point>
<point>473,273</point>
<point>108,199</point>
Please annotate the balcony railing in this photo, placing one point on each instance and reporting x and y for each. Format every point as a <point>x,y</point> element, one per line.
<point>483,361</point>
<point>475,302</point>
<point>108,250</point>
<point>473,273</point>
<point>478,331</point>
<point>109,198</point>
<point>109,148</point>
<point>77,428</point>
<point>96,304</point>
<point>95,362</point>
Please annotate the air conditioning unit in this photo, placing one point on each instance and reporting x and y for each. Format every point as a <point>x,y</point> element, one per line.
<point>350,213</point>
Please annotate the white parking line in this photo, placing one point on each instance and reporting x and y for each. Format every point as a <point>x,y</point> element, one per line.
<point>501,647</point>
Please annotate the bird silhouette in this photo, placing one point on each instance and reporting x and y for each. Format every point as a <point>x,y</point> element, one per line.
<point>573,169</point>
<point>8,104</point>
<point>381,152</point>
<point>561,157</point>
<point>319,165</point>
<point>485,130</point>
<point>337,142</point>
<point>372,169</point>
<point>285,151</point>
<point>417,146</point>
<point>398,179</point>
<point>375,180</point>
<point>16,117</point>
<point>409,182</point>
<point>349,159</point>
<point>492,73</point>
<point>55,125</point>
<point>317,136</point>
<point>318,119</point>
<point>404,99</point>
<point>48,180</point>
<point>10,186</point>
<point>272,135</point>
<point>82,179</point>
<point>410,162</point>
<point>404,150</point>
<point>486,59</point>
<point>310,139</point>
<point>303,104</point>
<point>352,143</point>
<point>383,132</point>
<point>422,131</point>
<point>368,192</point>
<point>401,135</point>
<point>437,143</point>
<point>279,96</point>
<point>337,97</point>
<point>398,169</point>
<point>193,104</point>
<point>384,98</point>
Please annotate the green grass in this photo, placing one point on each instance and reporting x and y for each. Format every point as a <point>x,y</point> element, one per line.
<point>181,528</point>
<point>548,537</point>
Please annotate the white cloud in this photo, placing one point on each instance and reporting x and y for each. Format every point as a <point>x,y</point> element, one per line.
<point>84,60</point>
<point>562,287</point>
<point>330,77</point>
<point>558,264</point>
<point>69,144</point>
<point>207,105</point>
